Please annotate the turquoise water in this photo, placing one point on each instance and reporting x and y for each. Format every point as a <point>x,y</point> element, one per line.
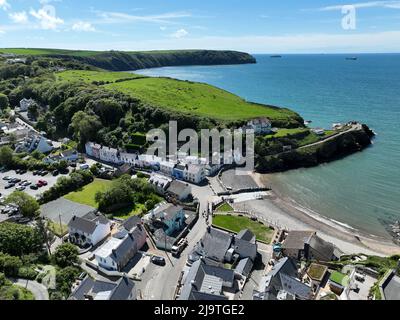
<point>361,189</point>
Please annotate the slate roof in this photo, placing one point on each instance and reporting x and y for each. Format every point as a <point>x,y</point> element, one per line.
<point>245,248</point>
<point>323,250</point>
<point>131,223</point>
<point>246,235</point>
<point>87,223</point>
<point>104,290</point>
<point>214,245</point>
<point>283,278</point>
<point>244,267</point>
<point>391,289</point>
<point>206,282</point>
<point>177,188</point>
<point>66,209</point>
<point>297,239</point>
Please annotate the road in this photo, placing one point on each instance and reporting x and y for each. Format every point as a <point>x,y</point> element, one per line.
<point>159,283</point>
<point>38,290</point>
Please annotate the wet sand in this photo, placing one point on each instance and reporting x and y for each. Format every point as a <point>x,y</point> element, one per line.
<point>284,212</point>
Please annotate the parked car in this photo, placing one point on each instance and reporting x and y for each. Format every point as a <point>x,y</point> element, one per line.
<point>34,187</point>
<point>160,261</point>
<point>20,188</point>
<point>9,186</point>
<point>42,183</point>
<point>7,178</point>
<point>55,173</point>
<point>36,172</point>
<point>22,182</point>
<point>84,166</point>
<point>15,180</point>
<point>27,183</point>
<point>44,173</point>
<point>23,171</point>
<point>64,171</point>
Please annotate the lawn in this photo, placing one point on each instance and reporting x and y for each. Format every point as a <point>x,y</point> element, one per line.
<point>129,211</point>
<point>236,224</point>
<point>40,52</point>
<point>87,194</point>
<point>90,76</point>
<point>225,207</point>
<point>56,229</point>
<point>199,99</point>
<point>282,133</point>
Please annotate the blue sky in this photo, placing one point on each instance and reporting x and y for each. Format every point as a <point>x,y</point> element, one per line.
<point>256,26</point>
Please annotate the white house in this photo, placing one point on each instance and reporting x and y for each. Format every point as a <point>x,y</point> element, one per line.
<point>160,182</point>
<point>111,155</point>
<point>179,190</point>
<point>24,104</point>
<point>88,230</point>
<point>34,142</point>
<point>129,158</point>
<point>117,252</point>
<point>259,125</point>
<point>194,173</point>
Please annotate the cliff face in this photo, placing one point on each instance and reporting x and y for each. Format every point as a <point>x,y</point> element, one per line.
<point>123,61</point>
<point>343,145</point>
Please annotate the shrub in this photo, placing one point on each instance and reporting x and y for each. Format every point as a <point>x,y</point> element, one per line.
<point>27,273</point>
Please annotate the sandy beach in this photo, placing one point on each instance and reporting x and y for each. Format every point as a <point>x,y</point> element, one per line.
<point>286,213</point>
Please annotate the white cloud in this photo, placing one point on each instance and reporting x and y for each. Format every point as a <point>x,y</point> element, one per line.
<point>163,28</point>
<point>83,26</point>
<point>4,5</point>
<point>47,18</point>
<point>395,4</point>
<point>118,17</point>
<point>181,33</point>
<point>19,17</point>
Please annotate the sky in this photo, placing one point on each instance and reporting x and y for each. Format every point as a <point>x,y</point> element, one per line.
<point>254,26</point>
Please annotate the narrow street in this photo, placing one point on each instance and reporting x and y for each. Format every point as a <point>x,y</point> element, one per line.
<point>38,290</point>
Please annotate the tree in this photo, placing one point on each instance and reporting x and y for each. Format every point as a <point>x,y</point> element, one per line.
<point>47,235</point>
<point>18,240</point>
<point>9,265</point>
<point>4,103</point>
<point>33,111</point>
<point>66,255</point>
<point>64,279</point>
<point>6,156</point>
<point>27,204</point>
<point>85,126</point>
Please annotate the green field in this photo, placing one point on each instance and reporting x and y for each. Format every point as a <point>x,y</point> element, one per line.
<point>91,76</point>
<point>236,224</point>
<point>196,99</point>
<point>87,194</point>
<point>282,133</point>
<point>38,52</point>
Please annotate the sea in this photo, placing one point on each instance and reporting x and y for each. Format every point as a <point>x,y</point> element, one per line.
<point>361,190</point>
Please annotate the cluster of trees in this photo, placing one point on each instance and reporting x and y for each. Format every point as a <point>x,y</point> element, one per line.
<point>35,162</point>
<point>65,185</point>
<point>126,192</point>
<point>18,240</point>
<point>28,206</point>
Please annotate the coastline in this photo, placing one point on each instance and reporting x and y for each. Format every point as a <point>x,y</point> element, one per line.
<point>294,217</point>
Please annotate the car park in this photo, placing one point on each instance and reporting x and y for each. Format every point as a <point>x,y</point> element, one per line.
<point>34,187</point>
<point>42,183</point>
<point>9,186</point>
<point>20,188</point>
<point>7,178</point>
<point>26,183</point>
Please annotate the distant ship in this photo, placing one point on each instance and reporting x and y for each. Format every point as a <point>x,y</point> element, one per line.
<point>276,56</point>
<point>351,58</point>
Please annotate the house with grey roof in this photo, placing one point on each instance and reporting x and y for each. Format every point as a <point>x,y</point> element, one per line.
<point>221,246</point>
<point>308,245</point>
<point>93,289</point>
<point>115,254</point>
<point>390,286</point>
<point>178,190</point>
<point>88,230</point>
<point>206,281</point>
<point>282,283</point>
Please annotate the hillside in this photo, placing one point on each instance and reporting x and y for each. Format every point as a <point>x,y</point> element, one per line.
<point>125,60</point>
<point>192,98</point>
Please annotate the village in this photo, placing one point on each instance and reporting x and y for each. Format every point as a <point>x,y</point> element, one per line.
<point>195,241</point>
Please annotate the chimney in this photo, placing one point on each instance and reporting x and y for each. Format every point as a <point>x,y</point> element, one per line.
<point>193,283</point>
